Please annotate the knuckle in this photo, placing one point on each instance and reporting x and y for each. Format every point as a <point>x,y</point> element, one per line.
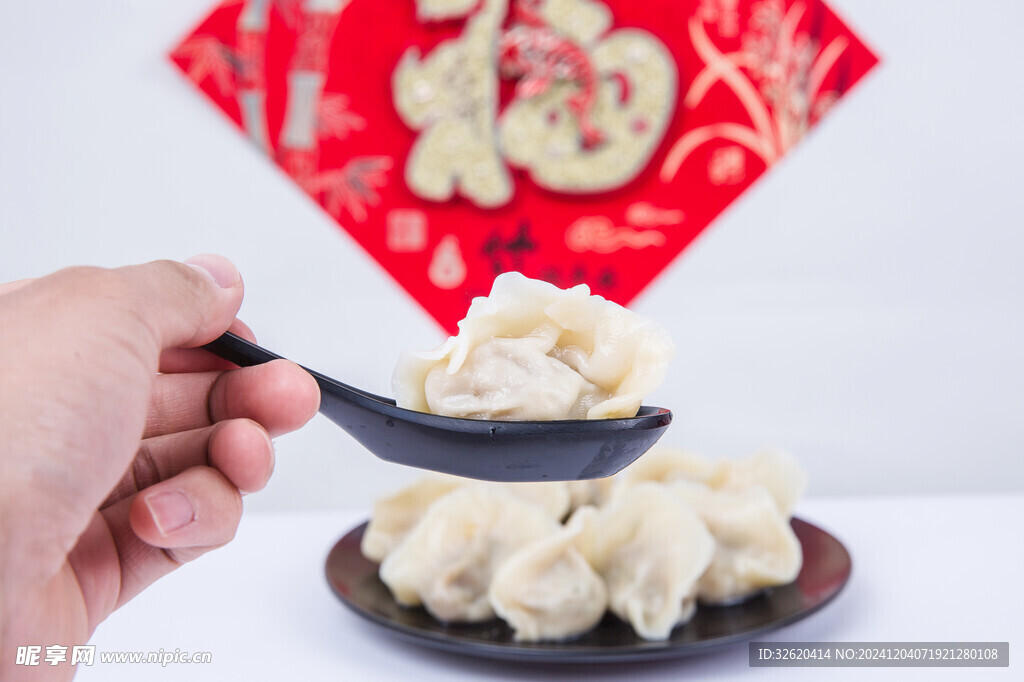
<point>184,276</point>
<point>91,283</point>
<point>150,291</point>
<point>145,471</point>
<point>181,556</point>
<point>182,281</point>
<point>235,515</point>
<point>142,303</point>
<point>191,291</point>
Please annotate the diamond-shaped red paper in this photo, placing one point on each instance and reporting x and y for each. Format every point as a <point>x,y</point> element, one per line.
<point>753,78</point>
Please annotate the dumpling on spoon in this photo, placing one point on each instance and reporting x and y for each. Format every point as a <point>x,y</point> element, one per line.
<point>532,351</point>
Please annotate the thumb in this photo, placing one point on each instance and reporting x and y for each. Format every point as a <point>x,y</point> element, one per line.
<point>78,352</point>
<point>181,304</point>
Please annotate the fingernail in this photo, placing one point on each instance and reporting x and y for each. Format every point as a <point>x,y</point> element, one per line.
<point>218,268</point>
<point>171,511</point>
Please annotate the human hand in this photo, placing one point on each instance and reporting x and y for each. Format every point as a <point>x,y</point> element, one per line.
<point>125,449</point>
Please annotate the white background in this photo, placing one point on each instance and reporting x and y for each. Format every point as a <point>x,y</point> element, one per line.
<point>860,306</point>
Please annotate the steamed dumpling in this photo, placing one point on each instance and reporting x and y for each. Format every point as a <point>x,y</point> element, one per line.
<point>755,547</point>
<point>532,351</point>
<point>552,496</point>
<point>395,515</point>
<point>593,492</point>
<point>651,549</point>
<point>547,590</point>
<point>777,471</point>
<point>447,560</point>
<point>512,379</point>
<point>673,529</point>
<point>665,465</point>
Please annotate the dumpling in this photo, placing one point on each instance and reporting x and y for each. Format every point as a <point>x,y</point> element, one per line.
<point>592,492</point>
<point>552,496</point>
<point>547,590</point>
<point>395,515</point>
<point>651,549</point>
<point>447,560</point>
<point>664,465</point>
<point>777,471</point>
<point>755,547</point>
<point>532,351</point>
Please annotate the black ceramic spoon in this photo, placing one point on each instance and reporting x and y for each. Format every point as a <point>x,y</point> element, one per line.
<point>488,450</point>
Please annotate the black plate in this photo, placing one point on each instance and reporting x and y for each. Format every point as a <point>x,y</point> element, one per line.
<point>826,568</point>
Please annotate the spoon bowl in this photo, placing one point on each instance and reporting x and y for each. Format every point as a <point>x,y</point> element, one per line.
<point>510,451</point>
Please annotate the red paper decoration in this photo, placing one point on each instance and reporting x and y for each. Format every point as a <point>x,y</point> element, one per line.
<point>572,140</point>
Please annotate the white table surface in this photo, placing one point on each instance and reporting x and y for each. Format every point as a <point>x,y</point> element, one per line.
<point>937,568</point>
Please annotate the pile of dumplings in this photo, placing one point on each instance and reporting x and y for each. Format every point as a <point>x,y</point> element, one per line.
<point>673,530</point>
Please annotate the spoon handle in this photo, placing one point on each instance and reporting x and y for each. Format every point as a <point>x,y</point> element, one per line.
<point>234,348</point>
<point>243,353</point>
<point>493,451</point>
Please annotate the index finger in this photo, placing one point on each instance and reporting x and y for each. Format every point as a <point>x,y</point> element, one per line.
<point>181,360</point>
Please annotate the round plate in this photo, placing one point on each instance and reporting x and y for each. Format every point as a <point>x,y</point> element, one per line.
<point>826,568</point>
